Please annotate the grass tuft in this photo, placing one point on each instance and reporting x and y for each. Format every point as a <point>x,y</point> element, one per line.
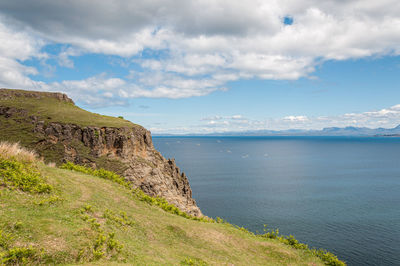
<point>104,244</point>
<point>122,219</point>
<point>96,172</point>
<point>16,152</point>
<point>18,169</point>
<point>15,255</point>
<point>327,257</point>
<point>193,262</point>
<point>19,255</point>
<point>25,177</point>
<point>48,201</point>
<point>156,201</point>
<point>5,239</point>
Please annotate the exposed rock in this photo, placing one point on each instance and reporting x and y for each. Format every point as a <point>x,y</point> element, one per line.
<point>11,111</point>
<point>146,167</point>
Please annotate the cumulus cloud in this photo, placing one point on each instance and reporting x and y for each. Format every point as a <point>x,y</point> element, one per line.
<point>16,46</point>
<point>294,118</point>
<point>200,45</point>
<point>385,118</point>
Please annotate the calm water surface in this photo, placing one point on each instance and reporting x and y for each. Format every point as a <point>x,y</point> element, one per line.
<point>341,194</point>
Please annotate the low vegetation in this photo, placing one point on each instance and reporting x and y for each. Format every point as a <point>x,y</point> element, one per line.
<point>92,215</point>
<point>18,171</point>
<point>96,172</point>
<point>160,202</point>
<point>327,257</point>
<point>16,152</point>
<point>18,126</point>
<point>53,110</point>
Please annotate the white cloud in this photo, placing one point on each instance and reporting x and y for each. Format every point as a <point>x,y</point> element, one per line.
<point>17,44</point>
<point>211,118</point>
<point>294,118</point>
<point>237,117</point>
<point>218,117</point>
<point>385,118</point>
<point>203,44</point>
<point>64,57</point>
<point>15,47</point>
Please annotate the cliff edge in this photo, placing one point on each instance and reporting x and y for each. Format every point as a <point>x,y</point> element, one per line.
<point>60,131</point>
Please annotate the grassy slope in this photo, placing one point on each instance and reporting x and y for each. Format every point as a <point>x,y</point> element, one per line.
<point>18,129</point>
<point>54,110</point>
<point>156,237</point>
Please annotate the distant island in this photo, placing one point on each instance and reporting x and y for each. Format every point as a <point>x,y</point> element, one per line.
<point>329,131</point>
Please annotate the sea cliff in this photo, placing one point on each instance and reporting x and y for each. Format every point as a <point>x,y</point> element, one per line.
<point>46,122</point>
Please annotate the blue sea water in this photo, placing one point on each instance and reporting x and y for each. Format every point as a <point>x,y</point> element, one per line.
<point>337,193</point>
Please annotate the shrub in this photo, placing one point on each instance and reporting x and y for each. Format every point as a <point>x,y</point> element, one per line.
<point>157,201</point>
<point>121,219</point>
<point>112,244</point>
<point>106,246</point>
<point>5,239</point>
<point>49,201</point>
<point>96,172</point>
<point>103,245</point>
<point>220,220</point>
<point>94,224</point>
<point>18,169</point>
<point>19,255</point>
<point>273,234</point>
<point>23,176</point>
<point>87,208</point>
<point>243,229</point>
<point>163,204</point>
<point>327,257</point>
<point>18,225</point>
<point>194,262</point>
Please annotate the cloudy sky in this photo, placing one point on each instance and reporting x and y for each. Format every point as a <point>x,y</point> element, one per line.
<point>205,66</point>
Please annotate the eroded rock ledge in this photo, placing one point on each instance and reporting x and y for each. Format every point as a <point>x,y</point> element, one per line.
<point>144,166</point>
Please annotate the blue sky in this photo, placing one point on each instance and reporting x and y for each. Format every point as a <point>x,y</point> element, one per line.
<point>198,67</point>
<point>340,87</point>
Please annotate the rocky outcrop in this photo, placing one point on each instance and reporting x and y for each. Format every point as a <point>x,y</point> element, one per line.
<point>6,93</point>
<point>144,167</point>
<point>147,168</point>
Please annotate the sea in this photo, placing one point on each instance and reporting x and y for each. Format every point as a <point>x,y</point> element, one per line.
<point>341,194</point>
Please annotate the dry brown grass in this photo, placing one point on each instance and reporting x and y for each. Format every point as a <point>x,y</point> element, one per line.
<point>51,164</point>
<point>15,151</point>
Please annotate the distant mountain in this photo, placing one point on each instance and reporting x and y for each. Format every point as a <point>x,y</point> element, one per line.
<point>329,131</point>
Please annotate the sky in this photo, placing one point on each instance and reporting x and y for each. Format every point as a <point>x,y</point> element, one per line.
<point>191,66</point>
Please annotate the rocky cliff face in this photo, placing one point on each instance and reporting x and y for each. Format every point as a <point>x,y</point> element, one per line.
<point>132,147</point>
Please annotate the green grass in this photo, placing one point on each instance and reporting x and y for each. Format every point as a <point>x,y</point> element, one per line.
<point>22,176</point>
<point>327,257</point>
<point>54,110</point>
<point>58,216</point>
<point>17,130</point>
<point>18,127</point>
<point>97,172</point>
<point>160,202</point>
<point>100,221</point>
